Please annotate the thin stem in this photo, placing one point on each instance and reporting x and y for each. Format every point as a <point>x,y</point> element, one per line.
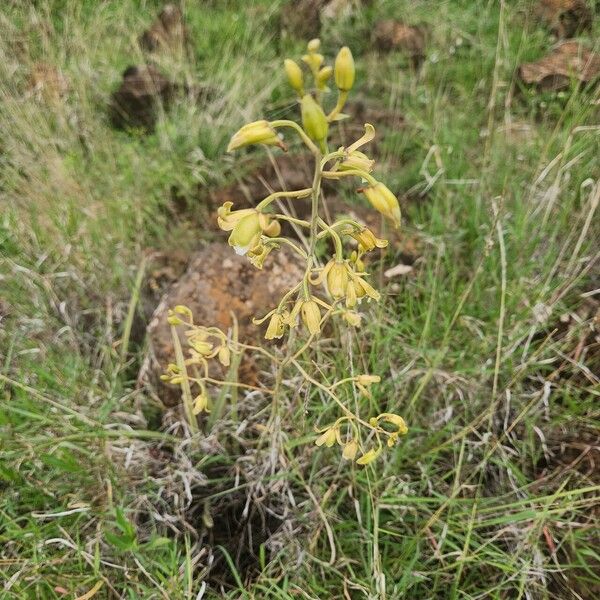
<point>349,173</point>
<point>304,193</point>
<point>282,240</point>
<point>300,222</point>
<point>299,131</point>
<point>342,97</point>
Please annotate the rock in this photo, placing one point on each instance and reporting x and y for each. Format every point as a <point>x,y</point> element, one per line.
<point>391,35</point>
<point>136,102</point>
<point>566,62</point>
<point>565,18</point>
<point>47,82</point>
<point>217,283</point>
<point>168,31</point>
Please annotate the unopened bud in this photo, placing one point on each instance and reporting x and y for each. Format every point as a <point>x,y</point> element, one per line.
<point>311,315</point>
<point>344,70</point>
<point>314,120</point>
<point>294,75</point>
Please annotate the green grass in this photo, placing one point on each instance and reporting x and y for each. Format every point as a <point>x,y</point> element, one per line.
<point>494,492</point>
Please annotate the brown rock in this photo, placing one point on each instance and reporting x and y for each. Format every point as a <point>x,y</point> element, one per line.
<point>555,71</point>
<point>391,35</point>
<point>167,31</point>
<point>565,18</point>
<point>136,102</point>
<point>217,283</point>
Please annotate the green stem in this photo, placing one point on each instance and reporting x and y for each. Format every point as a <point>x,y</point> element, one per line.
<point>304,193</point>
<point>299,131</point>
<point>342,97</point>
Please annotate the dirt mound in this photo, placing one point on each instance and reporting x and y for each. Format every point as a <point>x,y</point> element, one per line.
<point>168,31</point>
<point>569,61</point>
<point>565,18</point>
<point>217,283</point>
<point>137,101</point>
<point>391,35</point>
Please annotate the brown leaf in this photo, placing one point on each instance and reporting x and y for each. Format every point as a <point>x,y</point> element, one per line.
<point>568,61</point>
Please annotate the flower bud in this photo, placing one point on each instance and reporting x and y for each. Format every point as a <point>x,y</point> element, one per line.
<point>357,160</point>
<point>369,456</point>
<point>314,120</point>
<point>352,317</point>
<point>383,200</point>
<point>397,421</point>
<point>201,403</point>
<point>258,255</point>
<point>276,327</point>
<point>294,75</point>
<point>344,70</point>
<point>323,77</point>
<point>362,288</point>
<point>311,315</point>
<point>337,279</point>
<point>258,132</point>
<point>367,241</point>
<point>314,45</point>
<point>327,438</point>
<point>201,347</point>
<point>174,320</point>
<point>224,356</point>
<point>350,450</point>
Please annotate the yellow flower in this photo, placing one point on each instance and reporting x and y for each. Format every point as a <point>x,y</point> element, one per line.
<point>352,318</point>
<point>314,45</point>
<point>337,278</point>
<point>201,403</point>
<point>344,70</point>
<point>314,61</point>
<point>257,132</point>
<point>362,288</point>
<point>276,326</point>
<point>384,201</point>
<point>327,438</point>
<point>369,456</point>
<point>314,120</point>
<point>246,226</point>
<point>246,233</point>
<point>395,420</point>
<point>311,315</point>
<point>357,160</point>
<point>227,219</point>
<point>323,77</point>
<point>350,450</point>
<point>224,356</point>
<point>367,241</point>
<point>294,75</point>
<point>259,253</point>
